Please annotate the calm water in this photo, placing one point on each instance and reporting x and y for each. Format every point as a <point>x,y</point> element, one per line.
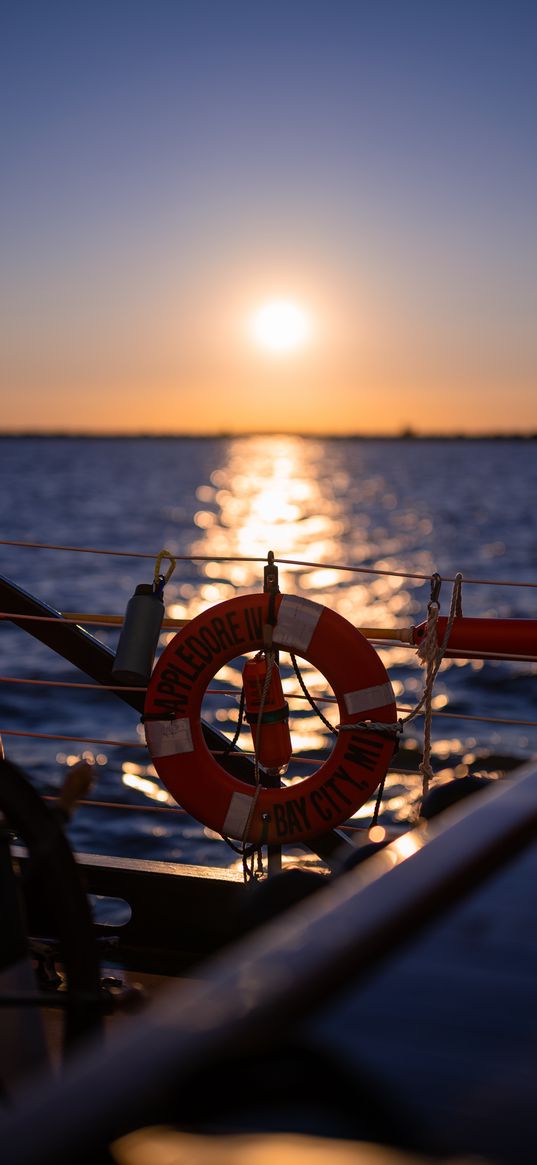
<point>414,506</point>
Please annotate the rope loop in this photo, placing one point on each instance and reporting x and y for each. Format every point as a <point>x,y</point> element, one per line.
<point>428,648</point>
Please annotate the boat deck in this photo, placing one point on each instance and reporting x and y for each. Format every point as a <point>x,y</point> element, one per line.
<point>414,973</point>
<point>447,1029</point>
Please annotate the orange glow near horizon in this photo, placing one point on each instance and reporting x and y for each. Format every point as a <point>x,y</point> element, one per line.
<point>329,360</point>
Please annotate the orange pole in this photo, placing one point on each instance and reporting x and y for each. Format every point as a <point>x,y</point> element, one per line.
<point>400,634</point>
<point>486,636</point>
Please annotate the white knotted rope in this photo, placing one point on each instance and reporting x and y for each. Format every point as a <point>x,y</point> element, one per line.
<point>431,653</point>
<point>270,658</point>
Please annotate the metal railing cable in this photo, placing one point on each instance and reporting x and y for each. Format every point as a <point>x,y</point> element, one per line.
<point>89,803</point>
<point>235,694</point>
<point>261,558</point>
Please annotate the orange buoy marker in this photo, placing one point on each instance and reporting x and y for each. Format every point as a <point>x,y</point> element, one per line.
<point>193,776</point>
<point>269,717</point>
<point>484,636</point>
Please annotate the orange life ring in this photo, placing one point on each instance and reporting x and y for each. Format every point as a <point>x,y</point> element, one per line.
<point>193,776</point>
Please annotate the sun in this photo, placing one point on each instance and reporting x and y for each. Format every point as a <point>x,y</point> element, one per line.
<point>280,326</point>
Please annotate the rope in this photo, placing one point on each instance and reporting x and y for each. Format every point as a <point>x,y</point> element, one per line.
<point>232,692</point>
<point>77,739</point>
<point>304,760</point>
<point>249,872</point>
<point>70,684</point>
<point>245,852</point>
<point>393,731</point>
<point>88,803</point>
<point>97,620</point>
<point>491,582</point>
<point>308,695</point>
<point>238,729</point>
<point>255,558</point>
<point>478,719</point>
<point>268,676</point>
<point>49,618</point>
<point>378,801</point>
<point>383,729</point>
<point>244,752</point>
<point>133,744</point>
<point>91,804</point>
<point>429,654</point>
<point>432,654</point>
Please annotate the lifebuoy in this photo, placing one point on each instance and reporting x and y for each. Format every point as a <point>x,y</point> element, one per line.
<point>193,776</point>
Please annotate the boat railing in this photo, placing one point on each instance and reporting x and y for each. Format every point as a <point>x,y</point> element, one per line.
<point>399,637</point>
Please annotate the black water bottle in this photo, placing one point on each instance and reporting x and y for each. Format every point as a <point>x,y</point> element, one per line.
<point>139,637</point>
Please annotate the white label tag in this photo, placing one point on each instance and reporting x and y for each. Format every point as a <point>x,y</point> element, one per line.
<point>368,698</point>
<point>297,620</point>
<point>168,737</point>
<point>237,815</point>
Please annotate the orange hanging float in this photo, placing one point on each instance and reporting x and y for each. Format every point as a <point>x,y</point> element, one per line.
<point>268,714</point>
<point>322,800</point>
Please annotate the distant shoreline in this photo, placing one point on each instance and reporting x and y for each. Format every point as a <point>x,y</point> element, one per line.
<point>407,435</point>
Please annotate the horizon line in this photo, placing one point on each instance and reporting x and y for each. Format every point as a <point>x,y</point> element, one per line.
<point>408,433</point>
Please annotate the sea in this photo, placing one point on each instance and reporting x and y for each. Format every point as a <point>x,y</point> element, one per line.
<point>354,510</point>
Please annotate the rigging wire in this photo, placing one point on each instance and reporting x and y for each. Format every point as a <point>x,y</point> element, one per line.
<point>89,803</point>
<point>261,558</point>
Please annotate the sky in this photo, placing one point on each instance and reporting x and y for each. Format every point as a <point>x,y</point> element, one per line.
<point>171,167</point>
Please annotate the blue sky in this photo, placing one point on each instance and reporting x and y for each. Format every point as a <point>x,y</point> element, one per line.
<point>169,166</point>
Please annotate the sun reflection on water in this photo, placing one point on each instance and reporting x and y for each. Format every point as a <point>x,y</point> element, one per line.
<point>270,495</point>
<point>294,497</point>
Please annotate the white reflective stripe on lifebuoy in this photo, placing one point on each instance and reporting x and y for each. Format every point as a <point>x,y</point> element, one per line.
<point>168,737</point>
<point>367,698</point>
<point>237,815</point>
<point>297,620</point>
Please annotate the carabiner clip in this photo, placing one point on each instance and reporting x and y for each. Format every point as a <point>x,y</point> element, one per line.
<point>160,580</point>
<point>436,583</point>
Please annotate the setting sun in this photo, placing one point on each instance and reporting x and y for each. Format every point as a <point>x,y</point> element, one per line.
<point>280,326</point>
